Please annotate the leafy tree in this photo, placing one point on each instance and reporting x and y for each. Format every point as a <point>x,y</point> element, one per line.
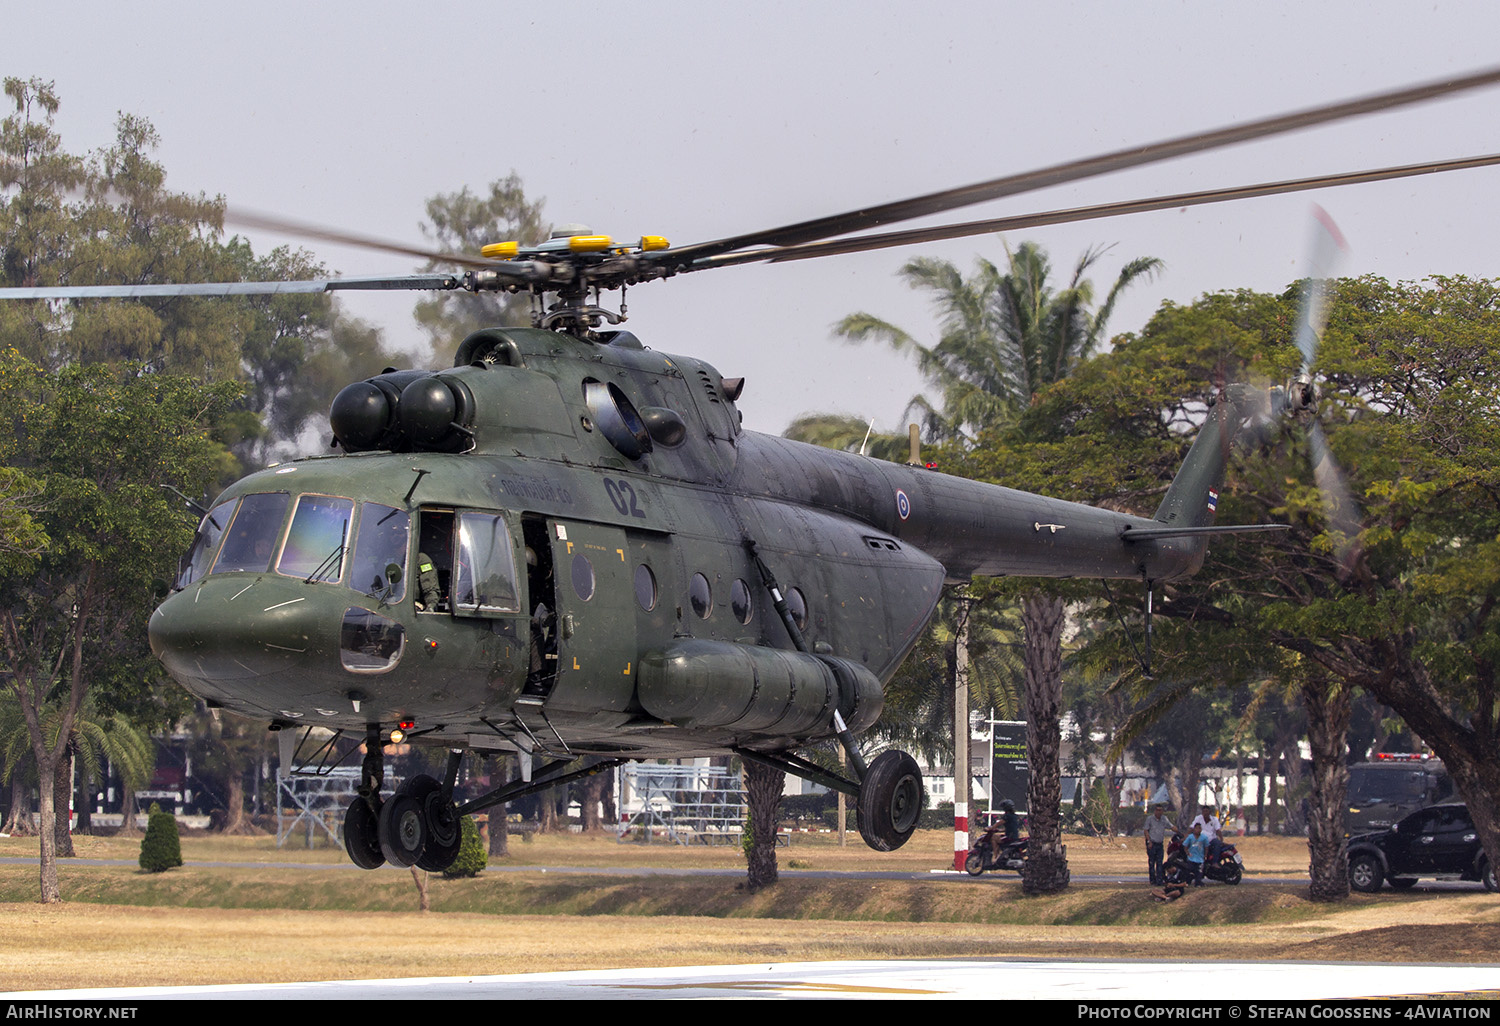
<point>102,443</point>
<point>1405,611</point>
<point>462,222</point>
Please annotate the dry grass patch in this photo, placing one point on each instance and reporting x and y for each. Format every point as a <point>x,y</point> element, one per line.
<point>269,922</point>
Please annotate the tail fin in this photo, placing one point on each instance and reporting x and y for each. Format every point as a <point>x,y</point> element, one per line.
<point>1193,498</point>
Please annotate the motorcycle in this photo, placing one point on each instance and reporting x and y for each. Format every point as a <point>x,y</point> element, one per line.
<point>1224,864</point>
<point>983,858</point>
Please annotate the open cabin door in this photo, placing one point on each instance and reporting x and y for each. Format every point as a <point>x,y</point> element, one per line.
<point>595,629</point>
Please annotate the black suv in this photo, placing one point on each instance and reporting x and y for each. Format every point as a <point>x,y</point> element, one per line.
<point>1438,842</point>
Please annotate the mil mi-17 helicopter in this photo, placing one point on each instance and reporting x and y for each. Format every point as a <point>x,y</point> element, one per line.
<point>567,545</point>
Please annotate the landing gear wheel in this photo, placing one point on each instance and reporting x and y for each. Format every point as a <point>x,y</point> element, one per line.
<point>444,830</point>
<point>362,836</point>
<point>1233,874</point>
<point>890,801</point>
<point>1365,873</point>
<point>974,864</point>
<point>403,828</point>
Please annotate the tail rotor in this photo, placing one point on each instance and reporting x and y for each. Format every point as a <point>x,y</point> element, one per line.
<point>1302,394</point>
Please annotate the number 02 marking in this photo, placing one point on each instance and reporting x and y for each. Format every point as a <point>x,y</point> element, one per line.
<point>622,495</point>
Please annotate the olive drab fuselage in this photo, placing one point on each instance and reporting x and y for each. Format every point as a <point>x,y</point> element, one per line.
<point>550,546</point>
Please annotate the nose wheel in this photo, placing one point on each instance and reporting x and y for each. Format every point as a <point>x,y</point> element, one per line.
<point>362,836</point>
<point>418,827</point>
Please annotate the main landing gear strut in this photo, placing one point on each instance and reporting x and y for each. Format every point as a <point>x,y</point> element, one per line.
<point>419,825</point>
<point>888,795</point>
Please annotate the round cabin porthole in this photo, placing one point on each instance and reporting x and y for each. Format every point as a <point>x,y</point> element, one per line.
<point>583,576</point>
<point>797,604</point>
<point>645,587</point>
<point>701,595</point>
<point>739,601</point>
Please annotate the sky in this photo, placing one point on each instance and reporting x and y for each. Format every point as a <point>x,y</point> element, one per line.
<point>694,121</point>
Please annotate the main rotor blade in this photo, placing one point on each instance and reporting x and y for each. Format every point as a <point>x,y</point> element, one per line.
<point>437,282</point>
<point>915,236</point>
<point>306,230</point>
<point>1070,171</point>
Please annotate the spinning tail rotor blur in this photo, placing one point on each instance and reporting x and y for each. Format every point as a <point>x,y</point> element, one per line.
<point>1341,514</point>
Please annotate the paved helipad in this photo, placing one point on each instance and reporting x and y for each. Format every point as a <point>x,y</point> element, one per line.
<point>1217,982</point>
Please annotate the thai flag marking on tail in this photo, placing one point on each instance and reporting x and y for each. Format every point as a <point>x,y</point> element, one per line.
<point>1213,500</point>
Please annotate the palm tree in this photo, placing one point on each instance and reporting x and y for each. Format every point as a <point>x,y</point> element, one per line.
<point>94,738</point>
<point>1004,337</point>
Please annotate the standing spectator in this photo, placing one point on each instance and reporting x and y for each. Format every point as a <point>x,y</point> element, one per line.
<point>1155,834</point>
<point>1196,846</point>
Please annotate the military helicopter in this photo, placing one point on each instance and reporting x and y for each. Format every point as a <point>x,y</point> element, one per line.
<point>566,544</point>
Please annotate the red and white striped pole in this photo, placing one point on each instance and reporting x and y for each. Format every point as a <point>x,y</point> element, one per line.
<point>961,738</point>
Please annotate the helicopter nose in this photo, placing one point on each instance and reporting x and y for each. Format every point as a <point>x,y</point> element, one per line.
<point>228,630</point>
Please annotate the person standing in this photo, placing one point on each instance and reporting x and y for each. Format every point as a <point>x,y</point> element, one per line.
<point>1196,846</point>
<point>1155,834</point>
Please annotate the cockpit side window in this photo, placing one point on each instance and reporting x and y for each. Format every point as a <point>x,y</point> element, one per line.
<point>484,573</point>
<point>380,544</point>
<point>209,532</point>
<point>251,538</point>
<point>318,539</point>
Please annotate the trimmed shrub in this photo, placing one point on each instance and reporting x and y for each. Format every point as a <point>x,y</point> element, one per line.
<point>472,857</point>
<point>161,848</point>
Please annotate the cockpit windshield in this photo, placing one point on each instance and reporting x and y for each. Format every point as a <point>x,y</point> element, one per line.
<point>318,538</point>
<point>246,532</point>
<point>251,538</point>
<point>204,544</point>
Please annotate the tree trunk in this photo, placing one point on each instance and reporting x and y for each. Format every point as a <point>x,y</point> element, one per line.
<point>1260,791</point>
<point>420,878</point>
<point>128,810</point>
<point>763,790</point>
<point>85,805</point>
<point>590,795</point>
<point>1328,705</point>
<point>1046,870</point>
<point>234,799</point>
<point>546,811</point>
<point>18,823</point>
<point>611,813</point>
<point>62,794</point>
<point>500,814</point>
<point>1292,767</point>
<point>1191,772</point>
<point>1274,793</point>
<point>47,834</point>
